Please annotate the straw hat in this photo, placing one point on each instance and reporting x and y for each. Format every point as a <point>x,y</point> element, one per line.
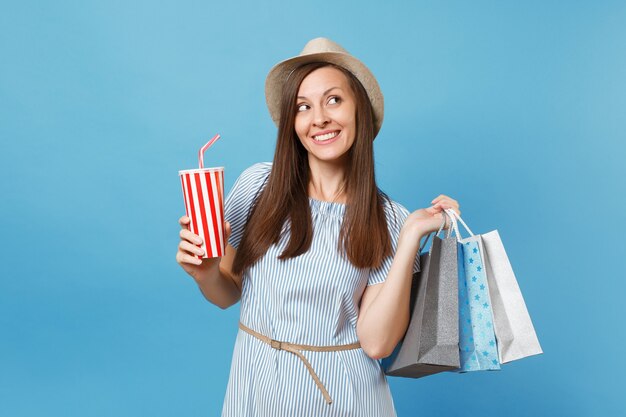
<point>324,50</point>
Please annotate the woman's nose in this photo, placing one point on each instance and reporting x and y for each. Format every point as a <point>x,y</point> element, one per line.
<point>320,117</point>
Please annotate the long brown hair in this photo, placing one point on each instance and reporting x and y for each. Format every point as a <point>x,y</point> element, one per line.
<point>364,236</point>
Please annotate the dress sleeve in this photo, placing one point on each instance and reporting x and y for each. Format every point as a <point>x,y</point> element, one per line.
<point>396,215</point>
<point>241,198</point>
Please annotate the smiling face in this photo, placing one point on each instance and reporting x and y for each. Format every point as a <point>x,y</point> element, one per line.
<point>325,119</point>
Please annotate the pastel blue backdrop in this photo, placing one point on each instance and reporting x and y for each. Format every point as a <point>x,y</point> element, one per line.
<point>516,109</point>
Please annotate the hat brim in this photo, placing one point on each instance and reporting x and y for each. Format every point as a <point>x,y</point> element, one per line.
<point>279,74</point>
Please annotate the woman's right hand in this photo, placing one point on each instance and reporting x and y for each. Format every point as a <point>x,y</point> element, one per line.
<point>189,249</point>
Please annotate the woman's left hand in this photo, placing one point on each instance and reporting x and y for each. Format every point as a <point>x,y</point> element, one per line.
<point>427,220</point>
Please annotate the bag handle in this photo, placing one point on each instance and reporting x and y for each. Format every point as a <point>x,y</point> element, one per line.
<point>443,224</point>
<point>455,216</point>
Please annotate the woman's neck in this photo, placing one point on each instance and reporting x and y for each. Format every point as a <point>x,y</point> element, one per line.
<point>327,181</point>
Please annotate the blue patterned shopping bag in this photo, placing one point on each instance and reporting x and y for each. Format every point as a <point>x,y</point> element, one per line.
<point>477,341</point>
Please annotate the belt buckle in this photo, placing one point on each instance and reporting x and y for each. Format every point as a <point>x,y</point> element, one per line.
<point>276,344</point>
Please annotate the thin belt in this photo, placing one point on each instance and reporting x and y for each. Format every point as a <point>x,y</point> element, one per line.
<point>295,349</point>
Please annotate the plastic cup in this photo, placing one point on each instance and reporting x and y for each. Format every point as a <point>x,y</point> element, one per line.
<point>203,190</point>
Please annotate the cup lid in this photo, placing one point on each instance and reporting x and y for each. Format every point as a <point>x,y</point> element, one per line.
<point>191,171</point>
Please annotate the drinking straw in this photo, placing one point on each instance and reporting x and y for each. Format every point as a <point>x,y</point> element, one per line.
<point>204,148</point>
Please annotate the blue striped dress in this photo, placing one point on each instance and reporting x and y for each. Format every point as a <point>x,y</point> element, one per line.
<point>312,299</point>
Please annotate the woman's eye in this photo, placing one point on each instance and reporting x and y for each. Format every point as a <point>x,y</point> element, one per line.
<point>302,107</point>
<point>334,100</point>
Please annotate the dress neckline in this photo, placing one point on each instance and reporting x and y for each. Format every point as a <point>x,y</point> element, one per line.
<point>327,207</point>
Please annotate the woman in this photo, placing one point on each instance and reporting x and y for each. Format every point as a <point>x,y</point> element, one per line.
<point>320,258</point>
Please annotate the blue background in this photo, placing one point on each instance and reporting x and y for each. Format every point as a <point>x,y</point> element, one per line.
<point>516,110</point>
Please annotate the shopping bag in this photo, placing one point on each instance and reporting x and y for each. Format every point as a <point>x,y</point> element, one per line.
<point>477,339</point>
<point>515,334</point>
<point>430,344</point>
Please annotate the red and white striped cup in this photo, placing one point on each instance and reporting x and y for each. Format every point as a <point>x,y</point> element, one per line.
<point>203,190</point>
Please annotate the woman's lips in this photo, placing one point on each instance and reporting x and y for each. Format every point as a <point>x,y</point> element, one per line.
<point>326,136</point>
